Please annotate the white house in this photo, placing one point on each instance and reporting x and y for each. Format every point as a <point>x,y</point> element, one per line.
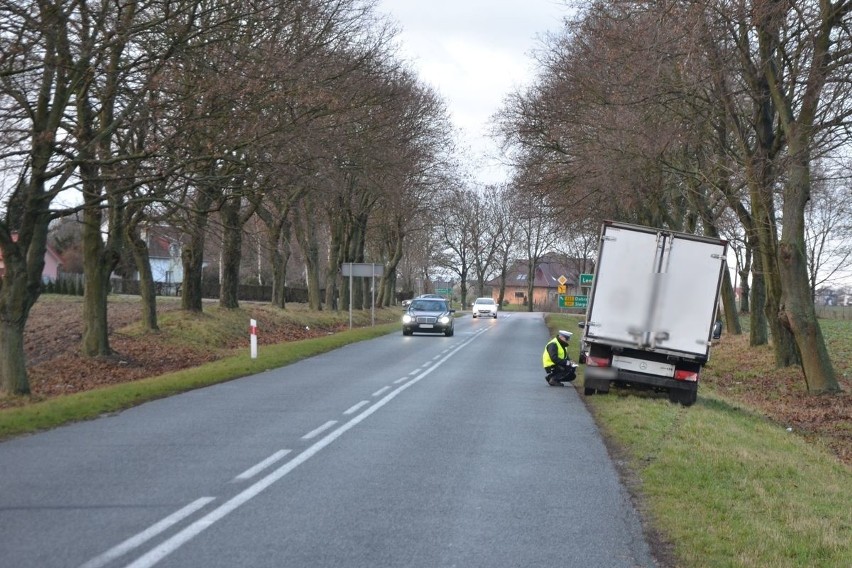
<point>164,253</point>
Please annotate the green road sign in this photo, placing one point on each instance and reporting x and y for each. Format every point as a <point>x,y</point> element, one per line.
<point>586,279</point>
<point>573,301</point>
<point>442,290</point>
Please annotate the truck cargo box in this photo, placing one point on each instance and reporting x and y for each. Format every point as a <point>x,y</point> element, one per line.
<point>652,308</point>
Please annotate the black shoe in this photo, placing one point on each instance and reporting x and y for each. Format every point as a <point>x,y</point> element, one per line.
<point>554,383</point>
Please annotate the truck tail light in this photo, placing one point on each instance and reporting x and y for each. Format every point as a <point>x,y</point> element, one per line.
<point>684,375</point>
<point>597,361</point>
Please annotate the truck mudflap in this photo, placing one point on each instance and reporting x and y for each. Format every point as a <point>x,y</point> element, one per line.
<point>600,379</point>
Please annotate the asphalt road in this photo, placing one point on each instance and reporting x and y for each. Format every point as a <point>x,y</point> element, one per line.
<point>423,451</point>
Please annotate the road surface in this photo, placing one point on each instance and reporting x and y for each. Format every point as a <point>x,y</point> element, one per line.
<point>423,451</point>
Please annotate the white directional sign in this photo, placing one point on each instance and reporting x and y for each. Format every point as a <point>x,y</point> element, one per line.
<point>362,269</point>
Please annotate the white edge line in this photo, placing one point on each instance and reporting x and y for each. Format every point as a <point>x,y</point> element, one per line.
<point>320,430</point>
<point>355,407</point>
<point>254,470</point>
<point>139,539</point>
<point>153,556</point>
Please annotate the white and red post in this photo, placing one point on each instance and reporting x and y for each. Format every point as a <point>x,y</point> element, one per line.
<point>253,332</point>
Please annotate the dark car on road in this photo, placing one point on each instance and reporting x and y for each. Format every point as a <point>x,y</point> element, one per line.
<point>428,315</point>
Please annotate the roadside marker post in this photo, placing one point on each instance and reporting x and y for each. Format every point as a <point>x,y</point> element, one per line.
<point>253,332</point>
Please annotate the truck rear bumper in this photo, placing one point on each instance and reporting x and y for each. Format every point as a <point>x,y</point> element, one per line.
<point>600,378</point>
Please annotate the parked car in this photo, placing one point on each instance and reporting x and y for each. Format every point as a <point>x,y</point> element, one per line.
<point>428,315</point>
<point>484,307</point>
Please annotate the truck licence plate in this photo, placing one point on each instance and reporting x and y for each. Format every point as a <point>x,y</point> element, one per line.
<point>643,366</point>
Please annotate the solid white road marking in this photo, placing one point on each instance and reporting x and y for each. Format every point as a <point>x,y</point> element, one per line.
<point>254,470</point>
<point>146,535</point>
<point>320,430</point>
<point>156,554</point>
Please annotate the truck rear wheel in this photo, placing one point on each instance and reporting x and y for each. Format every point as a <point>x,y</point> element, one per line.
<point>683,397</point>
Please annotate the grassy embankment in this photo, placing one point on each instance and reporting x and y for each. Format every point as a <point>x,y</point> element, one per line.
<point>726,486</point>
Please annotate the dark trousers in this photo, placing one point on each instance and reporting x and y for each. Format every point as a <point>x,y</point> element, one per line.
<point>560,374</point>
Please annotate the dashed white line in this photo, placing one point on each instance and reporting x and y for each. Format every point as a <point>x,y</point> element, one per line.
<point>396,382</point>
<point>380,391</point>
<point>252,471</point>
<point>353,409</point>
<point>320,430</point>
<point>146,535</point>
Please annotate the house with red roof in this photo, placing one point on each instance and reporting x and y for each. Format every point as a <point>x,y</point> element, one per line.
<point>548,271</point>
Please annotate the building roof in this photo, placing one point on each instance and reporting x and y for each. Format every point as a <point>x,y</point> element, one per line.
<point>547,272</point>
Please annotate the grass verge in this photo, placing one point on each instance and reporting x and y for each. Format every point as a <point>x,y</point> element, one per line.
<point>724,485</point>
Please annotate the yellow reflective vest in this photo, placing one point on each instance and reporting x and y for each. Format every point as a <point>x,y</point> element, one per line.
<point>546,361</point>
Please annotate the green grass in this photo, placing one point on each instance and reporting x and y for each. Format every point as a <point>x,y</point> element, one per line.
<point>727,487</point>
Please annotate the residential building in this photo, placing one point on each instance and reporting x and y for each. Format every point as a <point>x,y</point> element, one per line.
<point>52,263</point>
<point>546,284</point>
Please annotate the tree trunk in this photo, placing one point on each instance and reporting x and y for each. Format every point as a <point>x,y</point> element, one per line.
<point>147,290</point>
<point>97,266</point>
<point>20,287</point>
<point>13,368</point>
<point>745,288</point>
<point>192,256</point>
<point>308,241</point>
<point>389,280</point>
<point>784,347</point>
<point>798,311</point>
<point>231,248</point>
<point>758,328</point>
<point>729,302</point>
<point>335,294</point>
<point>279,241</point>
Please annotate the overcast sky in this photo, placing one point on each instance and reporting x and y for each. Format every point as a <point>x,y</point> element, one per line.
<point>473,53</point>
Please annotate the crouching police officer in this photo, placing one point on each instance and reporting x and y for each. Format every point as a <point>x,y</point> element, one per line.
<point>557,363</point>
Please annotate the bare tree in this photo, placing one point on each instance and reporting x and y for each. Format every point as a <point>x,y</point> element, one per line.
<point>59,59</point>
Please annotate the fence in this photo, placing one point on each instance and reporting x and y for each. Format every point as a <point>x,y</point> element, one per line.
<point>73,284</point>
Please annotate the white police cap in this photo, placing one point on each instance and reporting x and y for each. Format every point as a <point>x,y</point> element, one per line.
<point>565,334</point>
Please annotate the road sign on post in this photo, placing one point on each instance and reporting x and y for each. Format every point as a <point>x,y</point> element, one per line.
<point>586,279</point>
<point>363,270</point>
<point>573,301</point>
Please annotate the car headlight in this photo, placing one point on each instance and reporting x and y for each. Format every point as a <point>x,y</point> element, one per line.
<point>444,319</point>
<point>407,319</point>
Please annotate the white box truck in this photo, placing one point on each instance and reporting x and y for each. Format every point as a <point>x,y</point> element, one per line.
<point>652,309</point>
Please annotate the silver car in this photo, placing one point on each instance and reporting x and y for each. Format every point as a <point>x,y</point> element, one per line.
<point>428,315</point>
<point>484,307</point>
